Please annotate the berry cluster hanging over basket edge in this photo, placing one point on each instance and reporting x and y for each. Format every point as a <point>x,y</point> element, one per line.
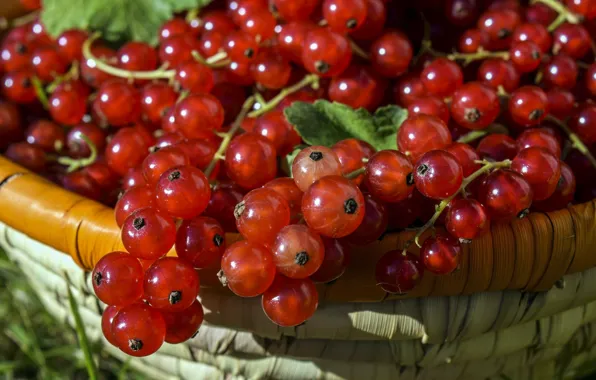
<point>309,128</point>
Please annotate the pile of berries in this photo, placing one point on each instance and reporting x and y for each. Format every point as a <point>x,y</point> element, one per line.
<point>194,138</point>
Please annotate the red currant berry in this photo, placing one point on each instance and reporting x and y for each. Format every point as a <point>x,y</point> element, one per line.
<point>438,174</point>
<point>195,77</point>
<point>430,105</point>
<point>374,223</point>
<point>540,14</point>
<point>505,195</point>
<point>441,254</point>
<point>351,154</point>
<point>126,150</point>
<point>333,206</point>
<point>148,233</point>
<point>29,156</point>
<point>107,317</point>
<point>270,69</point>
<point>286,187</point>
<point>466,156</point>
<point>314,163</point>
<point>118,279</point>
<point>70,44</point>
<point>389,176</point>
<point>582,7</point>
<point>14,56</point>
<point>139,329</point>
<point>534,32</point>
<point>590,79</point>
<point>497,147</point>
<point>528,106</point>
<point>200,241</point>
<point>376,16</point>
<point>198,115</point>
<point>357,87</point>
<point>164,159</point>
<point>135,198</point>
<point>391,54</point>
<point>561,102</point>
<point>583,122</point>
<point>289,302</point>
<point>171,284</point>
<point>326,53</point>
<point>525,55</point>
<point>472,40</point>
<point>560,71</point>
<point>466,219</point>
<point>497,72</point>
<point>48,63</point>
<point>335,262</point>
<point>442,77</point>
<point>183,325</point>
<point>182,192</point>
<point>10,124</point>
<point>17,87</point>
<point>475,106</point>
<point>298,251</point>
<point>499,25</point>
<point>398,271</point>
<point>248,268</point>
<point>261,215</point>
<point>92,75</point>
<point>344,16</point>
<point>68,103</point>
<point>156,98</point>
<point>408,88</point>
<point>241,47</point>
<point>461,12</point>
<point>47,135</point>
<point>258,23</point>
<point>291,10</point>
<point>571,39</point>
<point>540,168</point>
<point>421,133</point>
<point>538,137</point>
<point>563,194</point>
<point>118,102</point>
<point>137,56</point>
<point>250,161</point>
<point>176,50</point>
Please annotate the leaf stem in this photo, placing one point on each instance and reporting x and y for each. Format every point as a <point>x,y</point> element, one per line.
<point>565,15</point>
<point>117,72</point>
<point>76,164</point>
<point>487,166</point>
<point>576,142</point>
<point>479,55</point>
<point>227,137</point>
<point>72,73</point>
<point>311,79</point>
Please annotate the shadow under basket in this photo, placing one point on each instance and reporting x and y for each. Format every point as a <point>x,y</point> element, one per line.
<point>521,306</point>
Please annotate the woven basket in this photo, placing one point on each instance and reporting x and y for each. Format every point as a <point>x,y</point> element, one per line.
<point>522,305</point>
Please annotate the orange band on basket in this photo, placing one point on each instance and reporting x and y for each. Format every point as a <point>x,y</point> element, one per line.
<point>527,254</point>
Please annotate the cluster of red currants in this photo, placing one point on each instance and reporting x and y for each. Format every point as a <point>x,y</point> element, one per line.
<point>162,126</point>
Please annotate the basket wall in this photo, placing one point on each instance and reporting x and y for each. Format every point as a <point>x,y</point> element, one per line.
<point>487,335</point>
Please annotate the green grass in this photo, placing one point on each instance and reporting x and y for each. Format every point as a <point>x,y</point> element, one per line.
<point>34,345</point>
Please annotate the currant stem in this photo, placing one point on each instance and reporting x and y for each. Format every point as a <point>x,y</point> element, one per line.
<point>311,79</point>
<point>487,166</point>
<point>565,15</point>
<point>576,142</point>
<point>73,73</point>
<point>227,137</point>
<point>76,164</point>
<point>355,173</point>
<point>358,50</point>
<point>479,55</point>
<point>217,60</point>
<point>40,92</point>
<point>471,136</point>
<point>155,74</point>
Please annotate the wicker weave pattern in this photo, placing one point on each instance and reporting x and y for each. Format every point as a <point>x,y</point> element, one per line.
<point>486,335</point>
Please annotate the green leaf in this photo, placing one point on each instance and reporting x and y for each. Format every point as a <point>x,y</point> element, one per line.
<point>117,20</point>
<point>287,162</point>
<point>325,123</point>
